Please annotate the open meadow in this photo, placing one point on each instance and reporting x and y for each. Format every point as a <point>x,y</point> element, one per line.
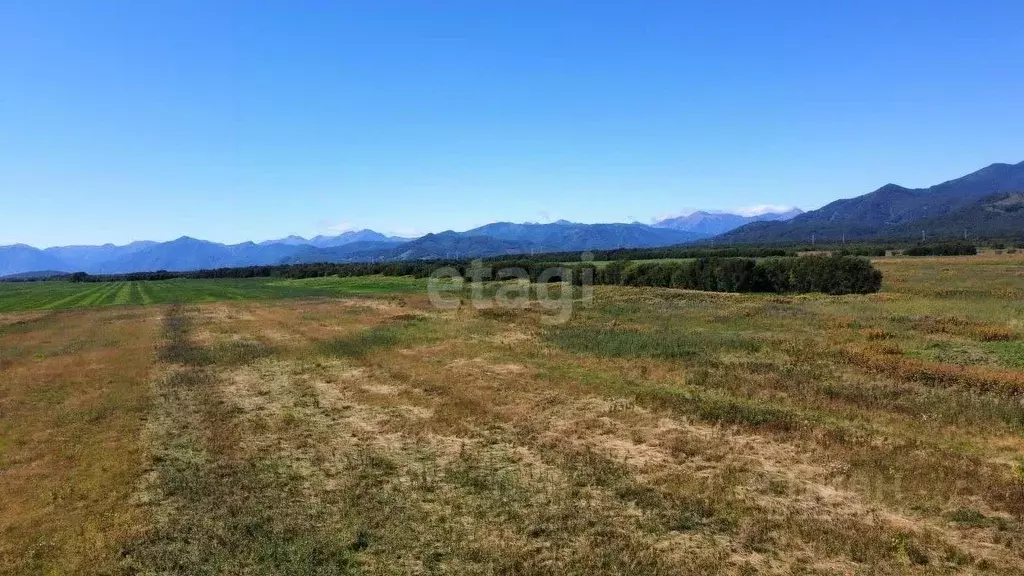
<point>59,295</point>
<point>346,426</point>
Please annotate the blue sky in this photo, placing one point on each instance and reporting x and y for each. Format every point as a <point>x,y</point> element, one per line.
<point>245,120</point>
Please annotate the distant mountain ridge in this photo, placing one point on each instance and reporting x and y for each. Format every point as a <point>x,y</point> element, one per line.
<point>188,253</point>
<point>342,239</point>
<point>19,258</point>
<point>571,237</point>
<point>450,244</point>
<point>182,254</point>
<point>715,223</point>
<point>503,238</point>
<point>35,275</point>
<point>85,256</point>
<point>887,210</point>
<point>984,203</point>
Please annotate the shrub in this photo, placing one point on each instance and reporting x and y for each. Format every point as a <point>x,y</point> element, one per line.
<point>876,251</point>
<point>828,274</point>
<point>942,249</point>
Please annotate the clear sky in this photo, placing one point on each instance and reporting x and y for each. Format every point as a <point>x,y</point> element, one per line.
<point>248,119</point>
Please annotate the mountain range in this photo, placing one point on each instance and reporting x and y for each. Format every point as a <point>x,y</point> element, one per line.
<point>187,253</point>
<point>342,239</point>
<point>986,203</point>
<point>502,238</point>
<point>892,211</point>
<point>715,223</point>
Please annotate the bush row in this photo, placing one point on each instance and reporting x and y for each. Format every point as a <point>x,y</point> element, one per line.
<point>827,274</point>
<point>942,249</point>
<point>875,251</point>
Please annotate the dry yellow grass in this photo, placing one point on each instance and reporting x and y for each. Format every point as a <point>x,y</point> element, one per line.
<point>71,408</point>
<point>659,432</point>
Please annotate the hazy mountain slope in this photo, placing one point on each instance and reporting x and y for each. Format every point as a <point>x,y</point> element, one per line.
<point>569,237</point>
<point>714,223</point>
<point>90,258</point>
<point>19,258</point>
<point>287,240</point>
<point>348,238</point>
<point>191,254</point>
<point>458,245</point>
<point>352,252</point>
<point>36,275</point>
<point>342,239</point>
<point>884,211</point>
<point>430,247</point>
<point>187,253</point>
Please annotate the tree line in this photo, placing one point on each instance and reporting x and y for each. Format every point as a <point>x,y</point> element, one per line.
<point>836,274</point>
<point>828,274</point>
<point>787,274</point>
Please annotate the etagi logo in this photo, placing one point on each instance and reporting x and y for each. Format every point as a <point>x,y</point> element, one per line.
<point>556,289</point>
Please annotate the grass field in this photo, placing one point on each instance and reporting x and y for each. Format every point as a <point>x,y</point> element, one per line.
<point>346,427</point>
<point>22,296</point>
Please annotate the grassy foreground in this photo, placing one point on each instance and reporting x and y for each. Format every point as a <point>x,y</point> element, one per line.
<point>659,432</point>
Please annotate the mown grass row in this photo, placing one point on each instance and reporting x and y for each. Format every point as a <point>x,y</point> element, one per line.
<point>917,431</point>
<point>215,511</point>
<point>72,403</point>
<point>24,296</point>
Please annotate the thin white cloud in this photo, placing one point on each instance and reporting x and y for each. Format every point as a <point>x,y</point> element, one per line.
<point>677,214</point>
<point>760,209</point>
<point>755,210</point>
